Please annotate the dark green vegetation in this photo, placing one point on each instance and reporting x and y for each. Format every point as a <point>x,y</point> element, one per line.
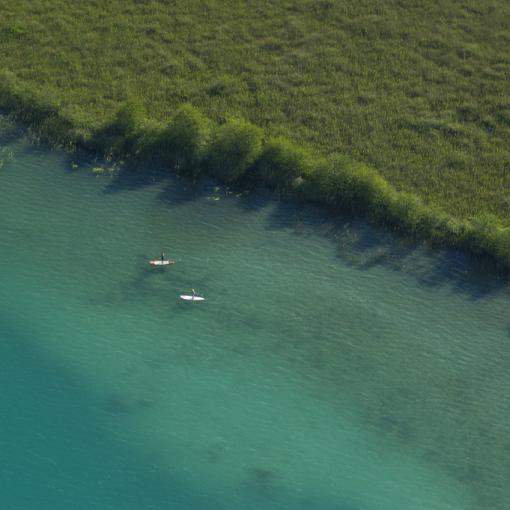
<point>416,91</point>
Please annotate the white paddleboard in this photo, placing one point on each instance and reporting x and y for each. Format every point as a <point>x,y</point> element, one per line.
<point>161,262</point>
<point>191,298</point>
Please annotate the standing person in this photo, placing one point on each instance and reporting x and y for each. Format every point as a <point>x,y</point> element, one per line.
<point>192,294</point>
<point>162,257</point>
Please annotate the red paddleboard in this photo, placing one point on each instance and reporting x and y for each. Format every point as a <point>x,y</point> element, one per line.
<point>161,262</point>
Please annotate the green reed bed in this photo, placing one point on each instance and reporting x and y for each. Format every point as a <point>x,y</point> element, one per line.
<point>397,111</point>
<point>194,146</point>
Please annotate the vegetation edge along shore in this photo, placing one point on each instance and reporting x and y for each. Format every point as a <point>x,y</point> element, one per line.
<point>193,145</point>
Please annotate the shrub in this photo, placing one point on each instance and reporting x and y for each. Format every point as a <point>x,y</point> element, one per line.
<point>235,147</point>
<point>409,213</point>
<point>368,189</point>
<point>148,144</point>
<point>323,184</point>
<point>9,98</point>
<point>351,185</point>
<point>128,119</point>
<point>282,162</point>
<point>502,248</point>
<point>184,142</point>
<point>119,135</point>
<point>484,234</point>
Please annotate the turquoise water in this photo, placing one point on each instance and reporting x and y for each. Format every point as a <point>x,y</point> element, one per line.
<point>330,367</point>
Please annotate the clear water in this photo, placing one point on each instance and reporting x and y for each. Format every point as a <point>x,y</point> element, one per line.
<point>330,367</point>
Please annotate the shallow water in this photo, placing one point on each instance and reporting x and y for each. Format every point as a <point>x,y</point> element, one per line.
<point>330,367</point>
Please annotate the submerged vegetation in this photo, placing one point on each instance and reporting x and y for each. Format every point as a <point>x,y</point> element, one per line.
<point>396,112</point>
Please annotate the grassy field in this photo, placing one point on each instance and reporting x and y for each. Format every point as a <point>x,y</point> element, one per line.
<point>418,90</point>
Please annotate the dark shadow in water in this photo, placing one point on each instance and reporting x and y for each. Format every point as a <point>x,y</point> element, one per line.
<point>178,192</point>
<point>253,201</point>
<point>181,190</point>
<point>363,246</point>
<point>359,244</point>
<point>134,176</point>
<point>251,197</point>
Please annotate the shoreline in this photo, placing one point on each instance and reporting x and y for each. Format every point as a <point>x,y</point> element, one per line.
<point>194,146</point>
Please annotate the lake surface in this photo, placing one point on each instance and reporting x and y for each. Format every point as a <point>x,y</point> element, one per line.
<point>331,367</point>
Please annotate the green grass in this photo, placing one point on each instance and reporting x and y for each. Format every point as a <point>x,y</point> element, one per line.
<point>417,90</point>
